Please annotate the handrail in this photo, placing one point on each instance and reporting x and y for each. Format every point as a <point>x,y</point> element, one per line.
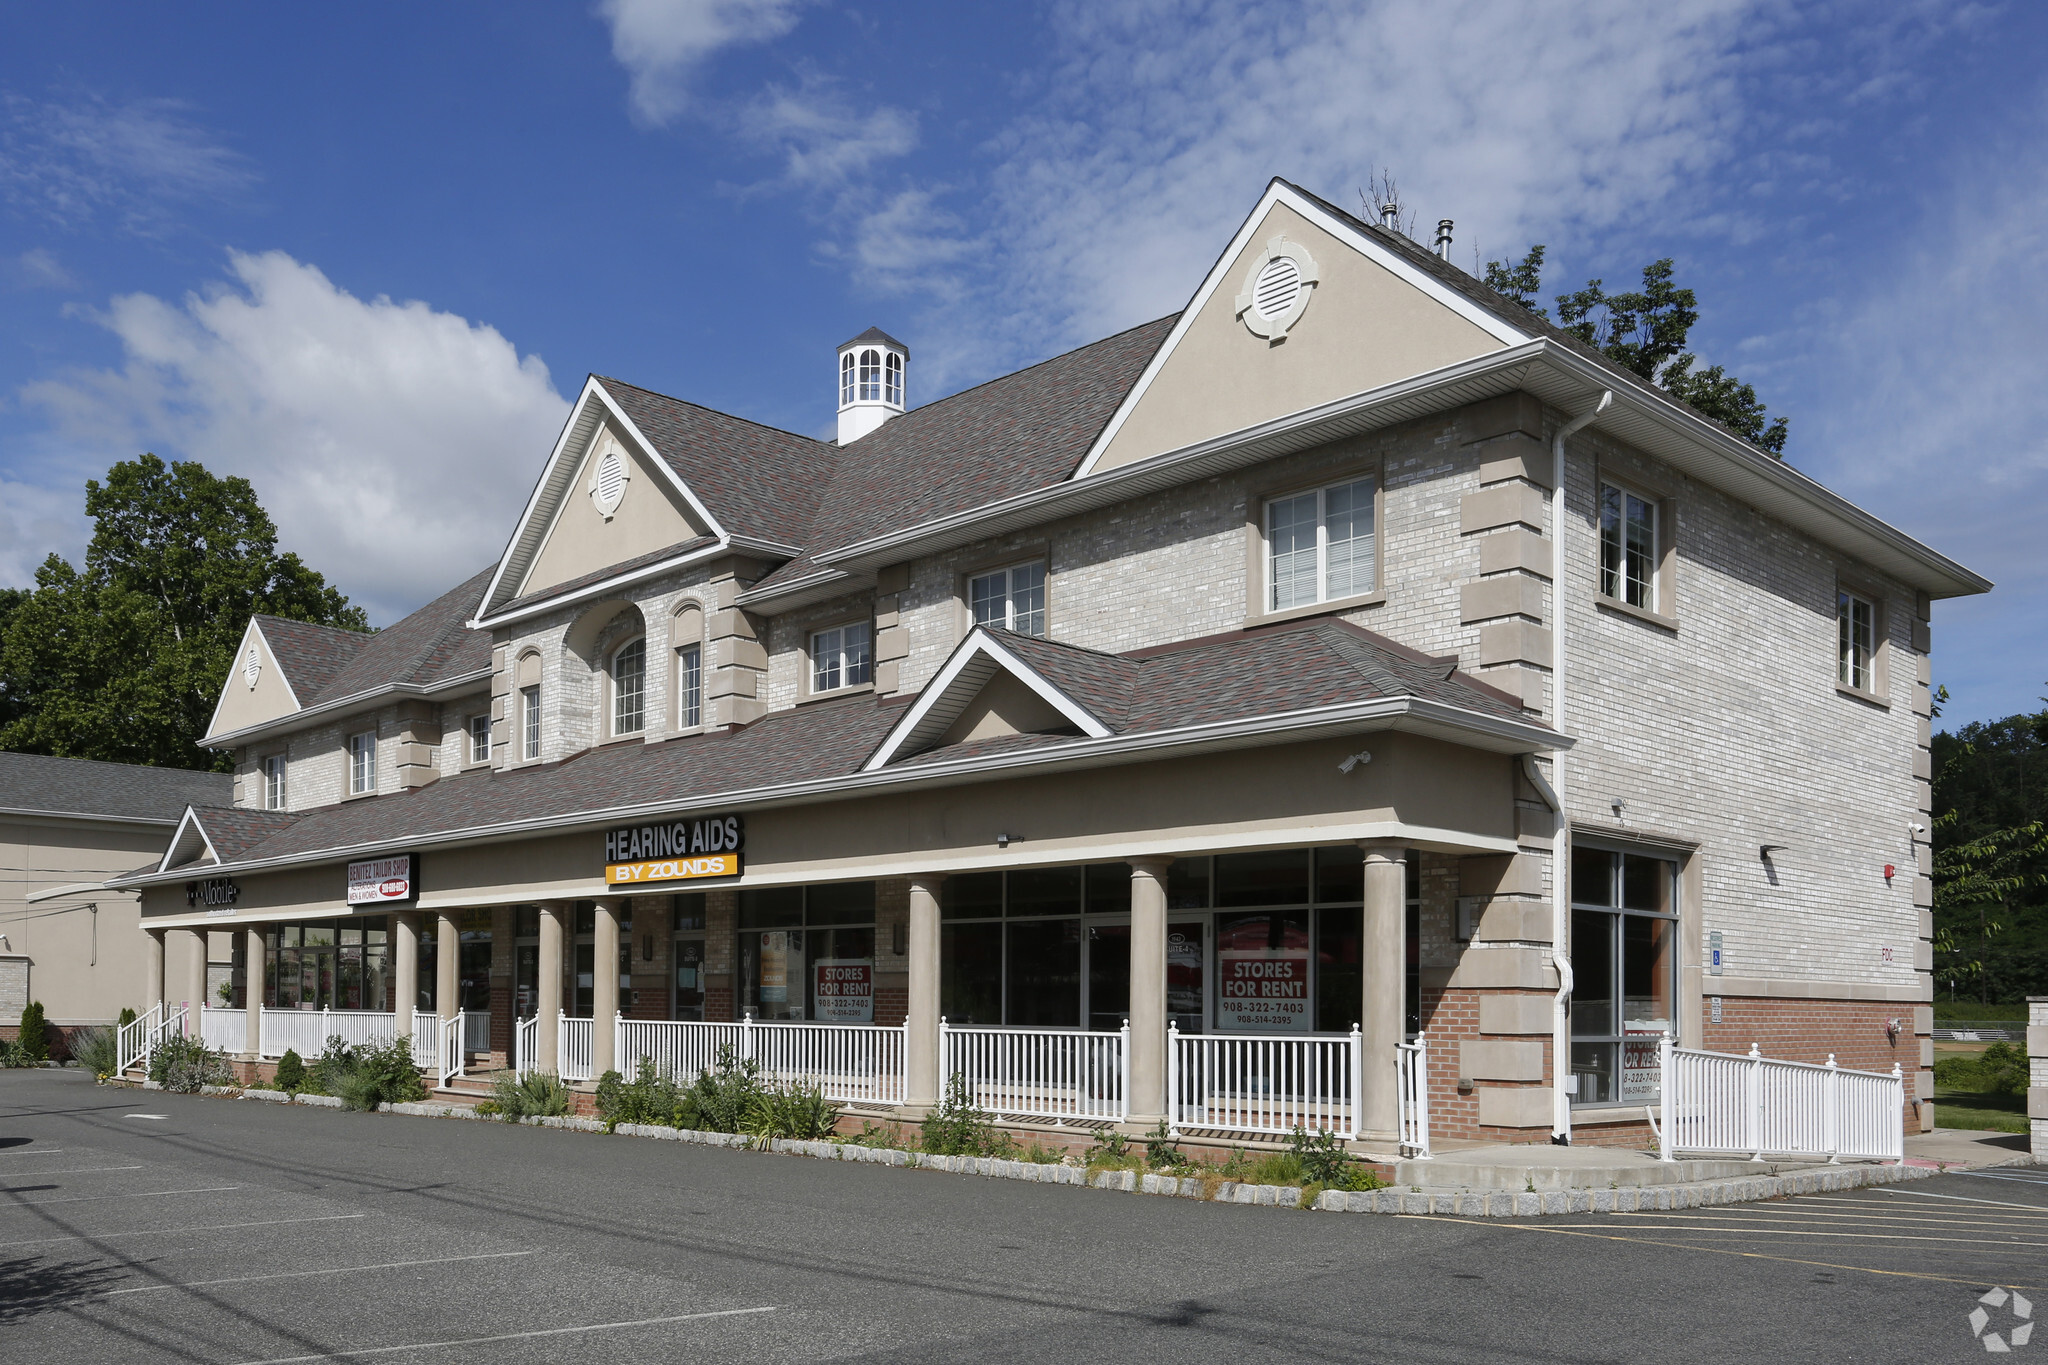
<point>1717,1102</point>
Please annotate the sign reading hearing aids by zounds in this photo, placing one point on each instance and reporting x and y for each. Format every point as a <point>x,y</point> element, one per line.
<point>682,850</point>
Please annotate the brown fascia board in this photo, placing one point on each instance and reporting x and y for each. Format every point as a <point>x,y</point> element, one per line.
<point>1554,373</point>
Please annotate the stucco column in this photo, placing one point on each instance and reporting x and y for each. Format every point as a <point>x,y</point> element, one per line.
<point>153,969</point>
<point>921,1061</point>
<point>447,966</point>
<point>252,989</point>
<point>193,976</point>
<point>604,987</point>
<point>1148,991</point>
<point>1383,958</point>
<point>548,1008</point>
<point>405,963</point>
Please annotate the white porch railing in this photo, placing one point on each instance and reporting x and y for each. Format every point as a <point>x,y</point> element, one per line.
<point>845,1061</point>
<point>476,1030</point>
<point>306,1031</point>
<point>1263,1085</point>
<point>426,1042</point>
<point>1040,1073</point>
<point>452,1055</point>
<point>525,1040</point>
<point>1411,1077</point>
<point>1716,1102</point>
<point>225,1030</point>
<point>136,1041</point>
<point>573,1049</point>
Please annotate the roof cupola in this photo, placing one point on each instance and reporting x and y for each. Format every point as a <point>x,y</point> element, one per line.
<point>870,383</point>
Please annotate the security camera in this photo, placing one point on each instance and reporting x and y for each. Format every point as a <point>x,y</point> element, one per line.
<point>1348,764</point>
<point>1917,827</point>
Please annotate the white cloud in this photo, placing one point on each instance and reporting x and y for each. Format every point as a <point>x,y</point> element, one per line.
<point>39,268</point>
<point>393,444</point>
<point>1933,416</point>
<point>662,43</point>
<point>1162,121</point>
<point>36,519</point>
<point>91,161</point>
<point>823,141</point>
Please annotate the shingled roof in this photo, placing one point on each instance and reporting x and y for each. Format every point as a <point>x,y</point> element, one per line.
<point>310,656</point>
<point>1262,674</point>
<point>759,481</point>
<point>86,787</point>
<point>1021,432</point>
<point>428,647</point>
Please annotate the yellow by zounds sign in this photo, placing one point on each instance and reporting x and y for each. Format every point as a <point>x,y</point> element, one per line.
<point>672,869</point>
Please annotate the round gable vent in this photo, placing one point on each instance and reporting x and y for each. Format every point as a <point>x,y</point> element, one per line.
<point>608,484</point>
<point>252,666</point>
<point>1277,289</point>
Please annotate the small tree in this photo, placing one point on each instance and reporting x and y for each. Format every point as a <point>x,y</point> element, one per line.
<point>34,1037</point>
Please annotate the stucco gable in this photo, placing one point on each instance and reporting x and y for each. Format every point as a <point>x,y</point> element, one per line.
<point>256,689</point>
<point>1371,318</point>
<point>581,539</point>
<point>985,691</point>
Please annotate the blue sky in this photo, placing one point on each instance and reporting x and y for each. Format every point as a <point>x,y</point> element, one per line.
<point>364,254</point>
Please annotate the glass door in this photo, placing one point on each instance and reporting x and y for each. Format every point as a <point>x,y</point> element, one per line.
<point>1109,976</point>
<point>689,983</point>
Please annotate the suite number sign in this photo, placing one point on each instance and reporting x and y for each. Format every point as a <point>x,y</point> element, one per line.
<point>679,851</point>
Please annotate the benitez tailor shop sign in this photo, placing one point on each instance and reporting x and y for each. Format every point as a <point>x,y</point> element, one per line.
<point>679,851</point>
<point>384,879</point>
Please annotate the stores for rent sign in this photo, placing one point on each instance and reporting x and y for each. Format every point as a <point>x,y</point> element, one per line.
<point>1641,1077</point>
<point>1262,984</point>
<point>678,851</point>
<point>844,989</point>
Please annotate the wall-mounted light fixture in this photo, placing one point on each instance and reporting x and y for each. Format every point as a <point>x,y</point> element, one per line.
<point>1353,761</point>
<point>1005,840</point>
<point>899,939</point>
<point>1765,851</point>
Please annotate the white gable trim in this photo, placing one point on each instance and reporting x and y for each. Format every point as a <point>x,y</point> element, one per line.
<point>593,406</point>
<point>977,660</point>
<point>188,830</point>
<point>253,632</point>
<point>1279,193</point>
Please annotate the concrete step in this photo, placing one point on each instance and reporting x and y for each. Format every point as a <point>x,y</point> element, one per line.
<point>1517,1168</point>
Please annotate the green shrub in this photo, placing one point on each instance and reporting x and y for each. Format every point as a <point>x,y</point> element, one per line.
<point>1111,1149</point>
<point>649,1098</point>
<point>324,1073</point>
<point>12,1055</point>
<point>2000,1069</point>
<point>34,1037</point>
<point>291,1072</point>
<point>959,1127</point>
<point>184,1064</point>
<point>888,1138</point>
<point>377,1075</point>
<point>1161,1152</point>
<point>723,1099</point>
<point>94,1050</point>
<point>126,1017</point>
<point>796,1111</point>
<point>537,1094</point>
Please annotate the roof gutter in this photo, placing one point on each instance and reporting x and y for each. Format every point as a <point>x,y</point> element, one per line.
<point>296,719</point>
<point>1412,714</point>
<point>724,545</point>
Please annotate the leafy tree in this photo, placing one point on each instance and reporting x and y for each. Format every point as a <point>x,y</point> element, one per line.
<point>1991,857</point>
<point>1645,331</point>
<point>123,659</point>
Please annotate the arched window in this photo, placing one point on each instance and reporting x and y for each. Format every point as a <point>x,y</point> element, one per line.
<point>870,376</point>
<point>846,378</point>
<point>629,688</point>
<point>895,379</point>
<point>686,636</point>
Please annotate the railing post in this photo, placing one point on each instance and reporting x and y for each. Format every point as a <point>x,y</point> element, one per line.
<point>945,1058</point>
<point>619,1040</point>
<point>326,1027</point>
<point>1899,1115</point>
<point>1834,1112</point>
<point>1422,1095</point>
<point>1666,1080</point>
<point>1756,1104</point>
<point>1123,1080</point>
<point>747,1036</point>
<point>1354,1076</point>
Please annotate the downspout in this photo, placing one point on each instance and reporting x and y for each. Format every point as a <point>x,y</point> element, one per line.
<point>1553,791</point>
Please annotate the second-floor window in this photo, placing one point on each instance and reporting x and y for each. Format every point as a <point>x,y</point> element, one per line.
<point>841,656</point>
<point>629,689</point>
<point>1012,598</point>
<point>1628,548</point>
<point>1856,631</point>
<point>689,687</point>
<point>273,782</point>
<point>362,763</point>
<point>529,716</point>
<point>1319,546</point>
<point>480,739</point>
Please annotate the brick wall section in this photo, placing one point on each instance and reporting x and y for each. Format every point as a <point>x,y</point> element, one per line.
<point>721,992</point>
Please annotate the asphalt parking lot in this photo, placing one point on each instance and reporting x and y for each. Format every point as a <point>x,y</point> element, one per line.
<point>144,1227</point>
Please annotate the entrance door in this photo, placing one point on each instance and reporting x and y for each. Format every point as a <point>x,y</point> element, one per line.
<point>1109,976</point>
<point>689,984</point>
<point>1186,995</point>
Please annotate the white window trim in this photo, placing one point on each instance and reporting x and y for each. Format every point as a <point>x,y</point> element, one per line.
<point>1010,596</point>
<point>612,688</point>
<point>274,799</point>
<point>811,658</point>
<point>471,727</point>
<point>1322,600</point>
<point>358,772</point>
<point>1876,688</point>
<point>687,692</point>
<point>1656,606</point>
<point>529,723</point>
<point>1676,916</point>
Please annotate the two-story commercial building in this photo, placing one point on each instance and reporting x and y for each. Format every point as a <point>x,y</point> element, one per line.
<point>1351,653</point>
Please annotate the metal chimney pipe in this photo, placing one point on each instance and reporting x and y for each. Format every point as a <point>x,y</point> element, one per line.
<point>1443,238</point>
<point>1390,216</point>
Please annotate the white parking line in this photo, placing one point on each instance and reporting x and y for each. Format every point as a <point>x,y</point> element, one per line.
<point>95,1198</point>
<point>334,1270</point>
<point>197,1227</point>
<point>1962,1198</point>
<point>145,1116</point>
<point>509,1336</point>
<point>31,1151</point>
<point>78,1170</point>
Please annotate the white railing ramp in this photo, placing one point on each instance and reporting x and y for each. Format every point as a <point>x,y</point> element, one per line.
<point>1718,1103</point>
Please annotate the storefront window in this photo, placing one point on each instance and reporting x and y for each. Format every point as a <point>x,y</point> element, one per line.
<point>806,953</point>
<point>1624,935</point>
<point>329,964</point>
<point>1011,948</point>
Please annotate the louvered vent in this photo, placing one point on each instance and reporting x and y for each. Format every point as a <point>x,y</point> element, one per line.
<point>1278,286</point>
<point>608,483</point>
